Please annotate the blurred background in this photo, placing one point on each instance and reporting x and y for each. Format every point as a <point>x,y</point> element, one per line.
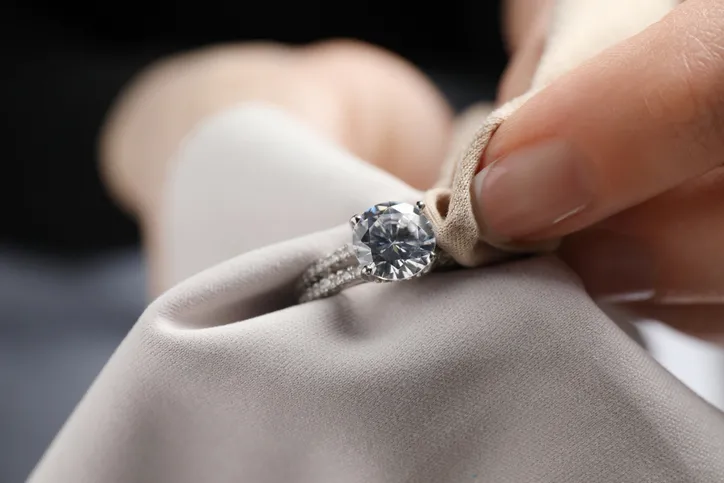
<point>71,270</point>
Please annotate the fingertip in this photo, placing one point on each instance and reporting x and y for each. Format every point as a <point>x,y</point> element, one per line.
<point>535,192</point>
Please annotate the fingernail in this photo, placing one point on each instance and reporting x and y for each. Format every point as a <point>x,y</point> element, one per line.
<point>532,189</point>
<point>614,267</point>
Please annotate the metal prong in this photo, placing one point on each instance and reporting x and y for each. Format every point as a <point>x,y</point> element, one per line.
<point>430,266</point>
<point>354,220</point>
<point>367,271</point>
<point>420,205</point>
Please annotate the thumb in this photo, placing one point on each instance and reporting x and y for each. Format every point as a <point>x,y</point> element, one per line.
<point>633,122</point>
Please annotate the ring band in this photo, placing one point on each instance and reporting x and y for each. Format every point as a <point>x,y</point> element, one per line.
<point>391,242</point>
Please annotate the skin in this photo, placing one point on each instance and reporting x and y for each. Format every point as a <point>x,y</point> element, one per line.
<point>659,186</point>
<point>383,110</point>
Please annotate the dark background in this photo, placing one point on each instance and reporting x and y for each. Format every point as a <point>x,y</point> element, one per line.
<point>71,272</point>
<point>65,63</point>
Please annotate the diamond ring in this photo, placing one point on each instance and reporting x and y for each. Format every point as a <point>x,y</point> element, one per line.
<point>391,242</point>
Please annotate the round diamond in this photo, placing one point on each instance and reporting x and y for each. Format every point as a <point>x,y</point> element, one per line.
<point>395,240</point>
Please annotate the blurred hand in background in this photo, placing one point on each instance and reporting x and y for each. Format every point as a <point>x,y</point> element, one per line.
<point>368,100</point>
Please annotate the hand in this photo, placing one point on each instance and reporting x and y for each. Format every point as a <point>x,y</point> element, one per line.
<point>624,156</point>
<point>368,100</point>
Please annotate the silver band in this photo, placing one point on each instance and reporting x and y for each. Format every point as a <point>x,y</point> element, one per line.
<point>330,275</point>
<point>340,270</point>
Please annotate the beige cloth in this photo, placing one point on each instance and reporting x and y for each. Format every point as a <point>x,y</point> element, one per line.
<point>508,374</point>
<point>579,30</point>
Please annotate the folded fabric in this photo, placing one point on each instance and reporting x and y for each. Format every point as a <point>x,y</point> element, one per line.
<point>504,374</point>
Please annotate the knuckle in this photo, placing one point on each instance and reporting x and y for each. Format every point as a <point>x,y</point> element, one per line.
<point>701,89</point>
<point>342,49</point>
<point>685,93</point>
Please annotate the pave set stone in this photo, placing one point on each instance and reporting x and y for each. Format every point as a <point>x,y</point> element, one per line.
<point>333,283</point>
<point>339,259</point>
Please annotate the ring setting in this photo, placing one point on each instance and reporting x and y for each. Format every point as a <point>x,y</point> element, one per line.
<point>391,242</point>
